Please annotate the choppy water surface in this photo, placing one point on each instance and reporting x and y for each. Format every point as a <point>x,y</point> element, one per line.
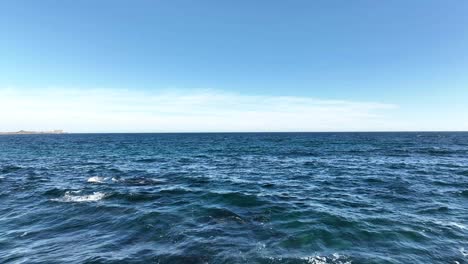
<point>234,198</point>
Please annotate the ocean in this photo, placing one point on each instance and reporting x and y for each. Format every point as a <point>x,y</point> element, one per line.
<point>234,198</point>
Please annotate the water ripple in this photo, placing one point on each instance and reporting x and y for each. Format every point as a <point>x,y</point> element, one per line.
<point>234,198</point>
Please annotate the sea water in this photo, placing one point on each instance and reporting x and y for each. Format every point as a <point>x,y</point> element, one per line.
<point>234,198</point>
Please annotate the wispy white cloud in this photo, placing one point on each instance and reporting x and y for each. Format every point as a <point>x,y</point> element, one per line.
<point>183,110</point>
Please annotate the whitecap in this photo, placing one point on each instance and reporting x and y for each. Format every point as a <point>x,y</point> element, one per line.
<point>461,226</point>
<point>315,260</point>
<point>464,252</point>
<point>69,197</point>
<point>96,179</point>
<point>260,246</point>
<point>452,224</point>
<point>335,258</point>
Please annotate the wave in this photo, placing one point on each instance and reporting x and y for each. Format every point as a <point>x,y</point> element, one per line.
<point>236,198</point>
<point>335,258</point>
<point>135,197</point>
<point>96,179</point>
<point>9,168</point>
<point>222,214</point>
<point>317,259</point>
<point>71,196</point>
<point>437,209</point>
<point>452,224</point>
<point>464,252</point>
<point>464,193</point>
<point>149,160</point>
<point>138,181</point>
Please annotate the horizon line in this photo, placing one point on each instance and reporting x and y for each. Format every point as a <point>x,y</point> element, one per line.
<point>238,132</point>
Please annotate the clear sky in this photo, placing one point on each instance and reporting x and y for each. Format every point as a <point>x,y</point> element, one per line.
<point>175,65</point>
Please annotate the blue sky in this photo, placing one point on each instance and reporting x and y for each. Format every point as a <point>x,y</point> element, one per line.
<point>408,58</point>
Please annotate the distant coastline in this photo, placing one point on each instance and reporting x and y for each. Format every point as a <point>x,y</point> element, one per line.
<point>25,132</point>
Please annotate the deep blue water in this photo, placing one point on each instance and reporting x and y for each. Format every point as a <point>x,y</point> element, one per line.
<point>234,198</point>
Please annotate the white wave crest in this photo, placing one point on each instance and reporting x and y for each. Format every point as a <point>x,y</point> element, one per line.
<point>70,197</point>
<point>464,252</point>
<point>335,258</point>
<point>96,179</point>
<point>452,224</point>
<point>461,226</point>
<point>317,259</point>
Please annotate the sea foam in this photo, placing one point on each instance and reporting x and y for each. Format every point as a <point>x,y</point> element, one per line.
<point>464,252</point>
<point>335,258</point>
<point>451,224</point>
<point>70,197</point>
<point>96,179</point>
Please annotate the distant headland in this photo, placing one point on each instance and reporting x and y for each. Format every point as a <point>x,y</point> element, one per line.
<point>24,132</point>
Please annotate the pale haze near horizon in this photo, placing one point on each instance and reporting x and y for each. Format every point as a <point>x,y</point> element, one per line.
<point>178,66</point>
<point>195,111</point>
